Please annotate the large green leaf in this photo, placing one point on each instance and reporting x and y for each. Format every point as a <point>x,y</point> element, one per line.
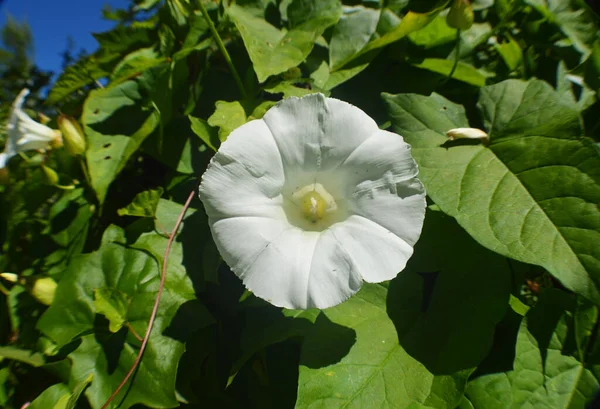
<point>352,32</point>
<point>116,124</point>
<point>549,370</point>
<point>134,274</point>
<point>352,359</point>
<point>445,307</point>
<point>274,51</point>
<point>532,194</point>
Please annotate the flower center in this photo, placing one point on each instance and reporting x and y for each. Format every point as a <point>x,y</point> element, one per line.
<point>313,206</point>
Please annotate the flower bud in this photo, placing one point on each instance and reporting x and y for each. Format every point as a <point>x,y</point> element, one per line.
<point>44,119</point>
<point>73,137</point>
<point>50,175</point>
<point>10,277</point>
<point>42,289</point>
<point>467,133</point>
<point>460,15</point>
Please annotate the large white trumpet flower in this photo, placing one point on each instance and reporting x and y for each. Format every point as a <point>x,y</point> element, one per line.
<point>311,200</point>
<point>25,134</point>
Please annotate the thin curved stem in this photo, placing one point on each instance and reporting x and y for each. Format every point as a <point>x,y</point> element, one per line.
<point>456,58</point>
<point>223,50</point>
<point>161,287</point>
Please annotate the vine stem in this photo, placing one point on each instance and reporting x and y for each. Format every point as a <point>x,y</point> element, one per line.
<point>223,50</point>
<point>161,287</point>
<point>456,57</point>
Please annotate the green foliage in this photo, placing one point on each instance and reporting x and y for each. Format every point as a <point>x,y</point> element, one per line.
<point>497,308</point>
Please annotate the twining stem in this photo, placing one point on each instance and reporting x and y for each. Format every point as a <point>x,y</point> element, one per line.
<point>161,286</point>
<point>223,50</point>
<point>456,55</point>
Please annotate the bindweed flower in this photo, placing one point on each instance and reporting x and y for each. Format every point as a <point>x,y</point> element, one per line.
<point>467,133</point>
<point>312,199</point>
<point>24,134</point>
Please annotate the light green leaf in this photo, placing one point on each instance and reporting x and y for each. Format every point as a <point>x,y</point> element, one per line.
<point>116,125</point>
<point>113,305</point>
<point>411,22</point>
<point>352,359</point>
<point>437,33</point>
<point>531,195</point>
<point>143,204</point>
<point>227,117</point>
<point>464,72</point>
<point>352,32</point>
<point>273,51</point>
<point>510,52</point>
<point>29,357</point>
<point>207,134</point>
<point>79,388</point>
<point>109,356</point>
<point>49,397</point>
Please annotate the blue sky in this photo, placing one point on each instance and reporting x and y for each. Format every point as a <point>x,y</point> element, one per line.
<point>52,21</point>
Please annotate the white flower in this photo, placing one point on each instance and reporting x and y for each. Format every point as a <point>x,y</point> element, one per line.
<point>25,134</point>
<point>311,200</point>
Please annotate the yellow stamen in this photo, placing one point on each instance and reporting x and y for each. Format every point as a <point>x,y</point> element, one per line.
<point>313,206</point>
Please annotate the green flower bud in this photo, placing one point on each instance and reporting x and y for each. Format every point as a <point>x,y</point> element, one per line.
<point>74,140</point>
<point>460,15</point>
<point>42,289</point>
<point>50,175</point>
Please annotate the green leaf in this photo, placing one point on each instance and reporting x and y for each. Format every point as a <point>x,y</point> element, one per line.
<point>143,205</point>
<point>82,73</point>
<point>352,359</point>
<point>109,356</point>
<point>227,117</point>
<point>576,22</point>
<point>49,397</point>
<point>410,23</point>
<point>352,32</point>
<point>205,132</point>
<point>115,124</point>
<point>79,388</point>
<point>547,371</point>
<point>435,34</point>
<point>113,305</point>
<point>134,64</point>
<point>510,52</point>
<point>532,194</point>
<point>445,308</point>
<point>464,72</point>
<point>29,357</point>
<point>273,51</point>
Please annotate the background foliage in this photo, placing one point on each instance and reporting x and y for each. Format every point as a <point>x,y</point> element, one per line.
<point>497,309</point>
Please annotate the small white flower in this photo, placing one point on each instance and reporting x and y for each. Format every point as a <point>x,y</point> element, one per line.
<point>311,200</point>
<point>25,134</point>
<point>467,133</point>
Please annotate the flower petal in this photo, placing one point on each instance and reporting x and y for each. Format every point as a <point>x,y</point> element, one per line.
<point>240,240</point>
<point>245,177</point>
<point>377,253</point>
<point>315,133</point>
<point>303,269</point>
<point>382,160</point>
